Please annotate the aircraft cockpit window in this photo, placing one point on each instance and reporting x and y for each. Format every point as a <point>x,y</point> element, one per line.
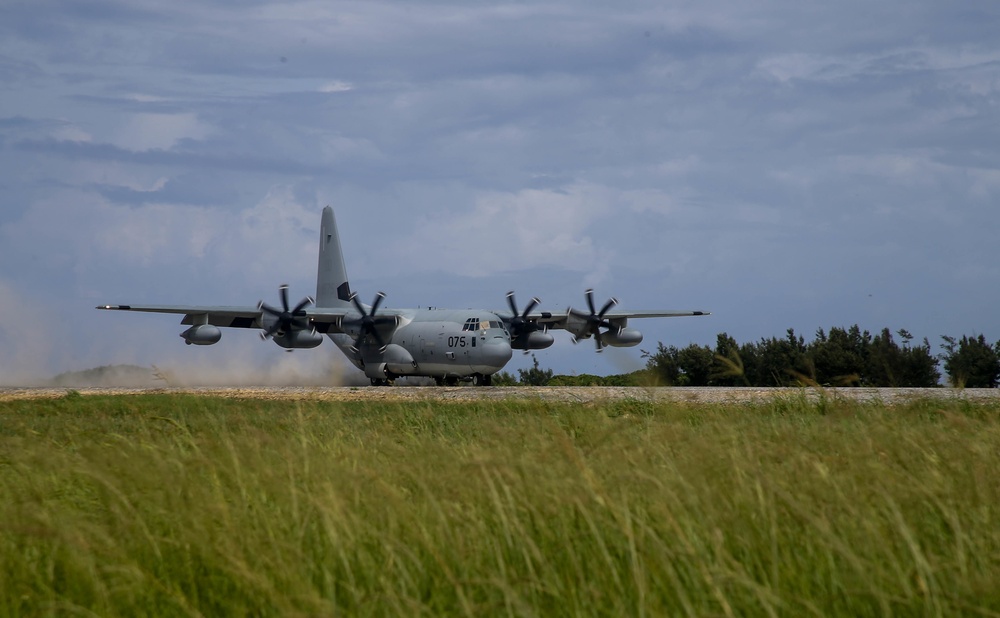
<point>491,324</point>
<point>472,324</point>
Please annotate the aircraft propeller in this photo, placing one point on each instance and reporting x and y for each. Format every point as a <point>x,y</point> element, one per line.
<point>287,319</point>
<point>595,319</point>
<point>520,326</point>
<point>368,321</point>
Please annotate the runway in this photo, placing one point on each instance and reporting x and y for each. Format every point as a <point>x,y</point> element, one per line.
<point>571,394</point>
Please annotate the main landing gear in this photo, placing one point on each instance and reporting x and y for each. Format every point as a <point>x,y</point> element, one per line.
<point>478,379</point>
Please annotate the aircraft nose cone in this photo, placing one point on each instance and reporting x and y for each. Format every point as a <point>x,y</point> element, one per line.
<point>496,353</point>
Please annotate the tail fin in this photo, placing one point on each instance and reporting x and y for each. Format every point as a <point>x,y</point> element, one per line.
<point>332,288</point>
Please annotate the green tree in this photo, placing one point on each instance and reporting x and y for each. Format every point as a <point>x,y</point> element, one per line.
<point>727,370</point>
<point>695,363</point>
<point>663,365</point>
<point>750,358</point>
<point>971,362</point>
<point>504,378</point>
<point>782,361</point>
<point>918,367</point>
<point>845,356</point>
<point>535,376</point>
<point>838,359</point>
<point>885,361</point>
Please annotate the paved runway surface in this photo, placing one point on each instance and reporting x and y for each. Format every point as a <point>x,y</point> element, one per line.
<point>581,394</point>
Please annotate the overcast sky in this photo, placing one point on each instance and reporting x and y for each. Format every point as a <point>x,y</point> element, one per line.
<point>779,163</point>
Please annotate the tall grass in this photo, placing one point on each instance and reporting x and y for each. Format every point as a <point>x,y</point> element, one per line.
<point>185,505</point>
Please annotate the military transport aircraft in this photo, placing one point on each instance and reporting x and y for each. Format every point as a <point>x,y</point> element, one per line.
<point>445,344</point>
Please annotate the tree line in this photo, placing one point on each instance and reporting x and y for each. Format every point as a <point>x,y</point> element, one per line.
<point>840,357</point>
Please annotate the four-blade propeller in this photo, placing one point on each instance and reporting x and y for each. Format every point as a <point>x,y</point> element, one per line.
<point>520,326</point>
<point>287,319</point>
<point>595,319</point>
<point>369,322</point>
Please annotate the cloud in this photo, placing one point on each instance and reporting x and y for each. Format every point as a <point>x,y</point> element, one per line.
<point>187,160</point>
<point>779,154</point>
<point>157,131</point>
<point>336,86</point>
<point>515,231</point>
<point>908,60</point>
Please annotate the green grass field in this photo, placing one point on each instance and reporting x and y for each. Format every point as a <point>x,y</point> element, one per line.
<point>188,505</point>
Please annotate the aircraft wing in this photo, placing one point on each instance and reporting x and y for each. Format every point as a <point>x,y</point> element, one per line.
<point>325,320</point>
<point>560,319</point>
<point>524,327</point>
<point>233,317</point>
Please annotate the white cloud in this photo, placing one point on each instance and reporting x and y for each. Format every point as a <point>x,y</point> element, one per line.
<point>336,86</point>
<point>157,131</point>
<point>70,133</point>
<point>271,243</point>
<point>157,234</point>
<point>514,231</point>
<point>337,148</point>
<point>588,233</point>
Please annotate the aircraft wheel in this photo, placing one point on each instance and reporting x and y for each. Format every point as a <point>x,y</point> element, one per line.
<point>439,381</point>
<point>451,381</point>
<point>481,380</point>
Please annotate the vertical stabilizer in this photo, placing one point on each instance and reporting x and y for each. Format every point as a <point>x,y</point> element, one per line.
<point>332,289</point>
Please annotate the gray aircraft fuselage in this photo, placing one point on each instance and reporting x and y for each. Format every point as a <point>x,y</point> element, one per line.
<point>446,344</point>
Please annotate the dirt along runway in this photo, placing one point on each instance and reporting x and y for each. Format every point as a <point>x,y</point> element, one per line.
<point>581,394</point>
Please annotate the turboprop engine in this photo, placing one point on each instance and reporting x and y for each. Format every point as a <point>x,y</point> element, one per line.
<point>587,325</point>
<point>392,359</point>
<point>525,334</point>
<point>298,339</point>
<point>288,327</point>
<point>202,334</point>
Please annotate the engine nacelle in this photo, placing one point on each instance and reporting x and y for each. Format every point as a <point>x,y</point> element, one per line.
<point>298,339</point>
<point>202,334</point>
<point>536,340</point>
<point>398,360</point>
<point>577,326</point>
<point>394,360</point>
<point>624,338</point>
